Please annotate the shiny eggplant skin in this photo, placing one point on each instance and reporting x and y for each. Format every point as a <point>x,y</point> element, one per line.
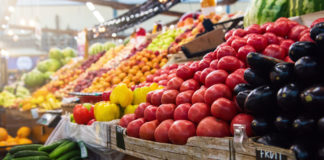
<point>288,98</point>
<point>281,74</point>
<point>313,98</point>
<point>301,49</point>
<point>254,78</point>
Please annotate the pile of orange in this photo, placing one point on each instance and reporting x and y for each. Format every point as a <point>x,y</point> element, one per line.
<point>131,71</point>
<point>21,138</point>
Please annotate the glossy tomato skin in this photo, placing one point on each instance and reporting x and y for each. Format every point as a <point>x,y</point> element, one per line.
<point>203,64</point>
<point>285,44</point>
<point>184,97</point>
<point>229,63</point>
<point>238,43</point>
<point>198,111</point>
<point>174,83</point>
<point>180,131</point>
<point>244,51</point>
<point>126,119</point>
<point>165,111</point>
<point>264,26</point>
<point>204,74</point>
<point>134,127</point>
<point>214,77</point>
<point>216,91</point>
<point>229,34</point>
<point>233,79</point>
<point>223,109</point>
<point>295,32</point>
<point>258,42</point>
<point>156,97</point>
<point>213,64</point>
<point>197,76</point>
<point>147,130</point>
<point>244,119</point>
<point>139,112</point>
<point>275,51</point>
<point>231,39</point>
<point>239,32</point>
<point>198,95</point>
<point>212,127</point>
<point>272,38</point>
<point>161,132</point>
<point>150,113</point>
<point>185,72</point>
<point>225,51</point>
<point>281,28</point>
<point>169,96</point>
<point>189,84</point>
<point>254,28</point>
<point>181,112</point>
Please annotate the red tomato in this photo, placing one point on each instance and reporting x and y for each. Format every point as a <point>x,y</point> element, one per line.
<point>165,111</point>
<point>197,76</point>
<point>240,72</point>
<point>258,42</point>
<point>134,127</point>
<point>285,44</point>
<point>319,20</point>
<point>237,43</point>
<point>228,63</point>
<point>303,32</point>
<point>169,96</point>
<point>156,97</point>
<point>225,51</point>
<point>287,59</point>
<point>204,74</point>
<point>244,51</point>
<point>81,114</point>
<point>212,127</point>
<point>126,119</point>
<point>180,131</point>
<point>198,111</point>
<point>189,84</point>
<point>306,37</point>
<point>239,32</point>
<point>242,64</point>
<point>149,96</point>
<point>272,38</point>
<point>223,109</point>
<point>181,112</point>
<point>254,28</point>
<point>271,28</point>
<point>280,39</point>
<point>194,66</point>
<point>174,83</point>
<point>230,40</point>
<point>282,19</point>
<point>185,72</point>
<point>275,51</point>
<point>295,31</point>
<point>184,97</point>
<point>139,112</point>
<point>229,34</point>
<point>281,28</point>
<point>233,79</point>
<point>208,57</point>
<point>213,64</point>
<point>147,130</point>
<point>214,77</point>
<point>203,64</point>
<point>198,96</point>
<point>292,24</point>
<point>244,119</point>
<point>264,27</point>
<point>250,35</point>
<point>150,113</point>
<point>216,91</point>
<point>161,132</point>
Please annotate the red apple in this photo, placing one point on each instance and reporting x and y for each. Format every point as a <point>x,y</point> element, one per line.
<point>198,111</point>
<point>185,72</point>
<point>147,130</point>
<point>214,77</point>
<point>198,96</point>
<point>184,97</point>
<point>212,127</point>
<point>126,119</point>
<point>189,84</point>
<point>156,97</point>
<point>180,131</point>
<point>165,111</point>
<point>204,74</point>
<point>174,83</point>
<point>181,112</point>
<point>169,96</point>
<point>244,119</point>
<point>139,112</point>
<point>161,132</point>
<point>150,113</point>
<point>216,91</point>
<point>134,127</point>
<point>223,109</point>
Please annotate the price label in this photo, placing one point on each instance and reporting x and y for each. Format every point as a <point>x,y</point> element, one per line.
<point>269,155</point>
<point>120,137</point>
<point>34,113</point>
<point>83,149</point>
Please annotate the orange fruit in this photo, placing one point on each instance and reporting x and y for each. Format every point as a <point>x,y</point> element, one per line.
<point>3,134</point>
<point>23,132</point>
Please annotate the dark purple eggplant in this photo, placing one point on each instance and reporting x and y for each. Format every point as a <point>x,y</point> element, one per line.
<point>261,100</point>
<point>254,78</point>
<point>288,98</point>
<point>301,152</point>
<point>313,98</point>
<point>316,30</point>
<point>261,126</point>
<point>283,124</point>
<point>241,87</point>
<point>308,69</point>
<point>304,125</point>
<point>281,74</point>
<point>241,97</point>
<point>320,126</point>
<point>301,49</point>
<point>261,63</point>
<point>274,139</point>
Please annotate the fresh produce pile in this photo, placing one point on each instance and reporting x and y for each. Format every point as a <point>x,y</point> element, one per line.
<point>98,47</point>
<point>22,137</point>
<point>287,99</point>
<point>43,99</point>
<point>60,150</point>
<point>199,98</point>
<point>13,94</point>
<point>261,11</point>
<point>163,40</point>
<point>120,101</point>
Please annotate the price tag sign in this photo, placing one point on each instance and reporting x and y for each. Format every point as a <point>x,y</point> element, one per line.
<point>34,113</point>
<point>120,137</point>
<point>269,155</point>
<point>83,149</point>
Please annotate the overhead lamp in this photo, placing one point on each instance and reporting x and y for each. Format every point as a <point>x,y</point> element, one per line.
<point>11,9</point>
<point>163,1</point>
<point>90,6</point>
<point>98,16</point>
<point>7,18</point>
<point>219,9</point>
<point>114,35</point>
<point>120,40</point>
<point>15,38</point>
<point>22,31</point>
<point>32,23</point>
<point>102,29</point>
<point>22,22</point>
<point>10,32</point>
<point>4,26</point>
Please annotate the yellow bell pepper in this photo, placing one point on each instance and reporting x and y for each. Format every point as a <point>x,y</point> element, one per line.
<point>122,95</point>
<point>130,109</point>
<point>105,111</point>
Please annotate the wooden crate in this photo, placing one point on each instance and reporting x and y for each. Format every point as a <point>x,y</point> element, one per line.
<point>196,147</point>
